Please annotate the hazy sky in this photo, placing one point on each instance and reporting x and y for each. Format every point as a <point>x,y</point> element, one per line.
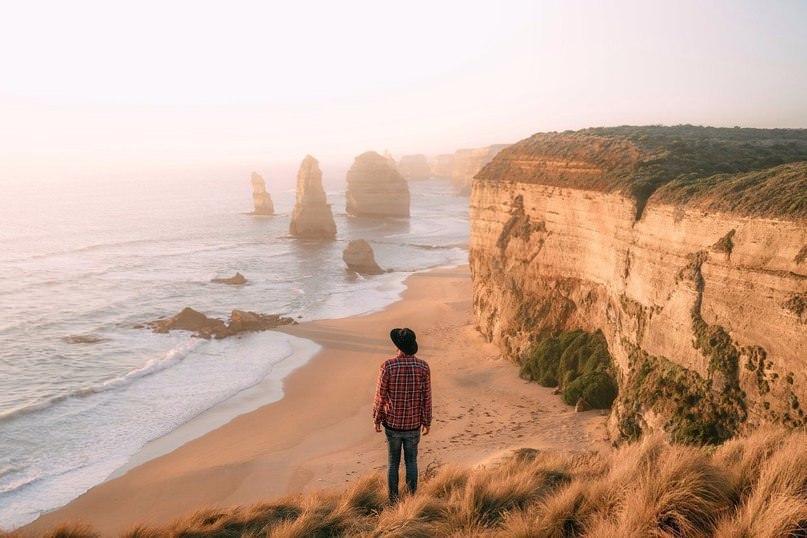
<point>94,84</point>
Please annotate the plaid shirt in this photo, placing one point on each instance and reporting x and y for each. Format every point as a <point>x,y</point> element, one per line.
<point>403,397</point>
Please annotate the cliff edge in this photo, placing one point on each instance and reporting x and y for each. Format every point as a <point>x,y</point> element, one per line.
<point>685,246</point>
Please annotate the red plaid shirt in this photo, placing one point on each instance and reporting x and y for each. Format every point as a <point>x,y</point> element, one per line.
<point>403,397</point>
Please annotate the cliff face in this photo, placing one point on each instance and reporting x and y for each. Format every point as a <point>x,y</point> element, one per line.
<point>467,162</point>
<point>376,189</point>
<point>312,216</point>
<point>697,281</point>
<point>414,167</point>
<point>261,199</point>
<point>441,165</point>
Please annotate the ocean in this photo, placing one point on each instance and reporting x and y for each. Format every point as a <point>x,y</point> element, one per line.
<point>82,391</point>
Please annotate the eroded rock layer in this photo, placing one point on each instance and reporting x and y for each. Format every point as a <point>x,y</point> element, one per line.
<point>312,216</point>
<point>700,289</point>
<point>376,189</point>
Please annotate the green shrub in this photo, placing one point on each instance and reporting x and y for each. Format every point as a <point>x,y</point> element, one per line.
<point>577,361</point>
<point>597,388</point>
<point>541,365</point>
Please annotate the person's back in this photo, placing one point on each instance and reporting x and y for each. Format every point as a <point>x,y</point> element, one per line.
<point>403,406</point>
<point>406,378</point>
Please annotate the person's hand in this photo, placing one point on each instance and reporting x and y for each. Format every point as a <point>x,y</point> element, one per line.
<point>378,428</point>
<point>425,430</point>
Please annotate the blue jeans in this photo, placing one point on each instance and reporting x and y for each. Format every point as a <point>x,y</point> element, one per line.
<point>408,440</point>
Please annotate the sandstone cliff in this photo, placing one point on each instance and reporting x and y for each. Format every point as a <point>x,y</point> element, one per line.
<point>414,167</point>
<point>312,216</point>
<point>261,199</point>
<point>467,162</point>
<point>685,246</point>
<point>376,189</point>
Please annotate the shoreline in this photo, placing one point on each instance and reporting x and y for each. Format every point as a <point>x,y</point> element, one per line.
<point>318,434</point>
<point>265,392</point>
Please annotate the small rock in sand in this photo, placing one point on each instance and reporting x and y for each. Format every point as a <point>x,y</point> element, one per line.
<point>582,405</point>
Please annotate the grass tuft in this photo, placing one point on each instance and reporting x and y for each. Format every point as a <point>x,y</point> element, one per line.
<point>753,486</point>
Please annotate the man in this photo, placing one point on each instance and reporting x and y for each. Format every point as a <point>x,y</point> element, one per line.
<point>403,405</point>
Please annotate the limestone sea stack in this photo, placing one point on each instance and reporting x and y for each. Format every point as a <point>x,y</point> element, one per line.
<point>390,159</point>
<point>414,167</point>
<point>261,198</point>
<point>376,189</point>
<point>312,216</point>
<point>358,256</point>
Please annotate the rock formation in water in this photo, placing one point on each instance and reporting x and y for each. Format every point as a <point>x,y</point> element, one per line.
<point>390,159</point>
<point>83,339</point>
<point>441,166</point>
<point>204,327</point>
<point>236,280</point>
<point>312,216</point>
<point>375,189</point>
<point>414,167</point>
<point>261,198</point>
<point>358,256</point>
<point>466,163</point>
<point>246,321</point>
<point>683,245</point>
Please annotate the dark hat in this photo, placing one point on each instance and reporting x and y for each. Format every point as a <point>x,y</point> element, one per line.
<point>404,339</point>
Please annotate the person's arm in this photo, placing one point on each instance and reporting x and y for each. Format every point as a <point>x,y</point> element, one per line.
<point>426,403</point>
<point>382,388</point>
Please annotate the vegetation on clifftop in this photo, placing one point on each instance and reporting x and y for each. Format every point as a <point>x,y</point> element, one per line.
<point>576,361</point>
<point>638,161</point>
<point>781,190</point>
<point>751,486</point>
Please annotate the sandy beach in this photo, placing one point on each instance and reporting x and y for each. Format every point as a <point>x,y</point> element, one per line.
<point>320,434</point>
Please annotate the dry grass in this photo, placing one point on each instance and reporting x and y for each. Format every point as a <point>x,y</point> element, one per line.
<point>749,487</point>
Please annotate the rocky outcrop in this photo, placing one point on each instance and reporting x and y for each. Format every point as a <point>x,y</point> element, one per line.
<point>83,339</point>
<point>375,189</point>
<point>312,217</point>
<point>441,166</point>
<point>260,198</point>
<point>466,163</point>
<point>245,321</point>
<point>204,327</point>
<point>358,257</point>
<point>414,167</point>
<point>236,280</point>
<point>680,244</point>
